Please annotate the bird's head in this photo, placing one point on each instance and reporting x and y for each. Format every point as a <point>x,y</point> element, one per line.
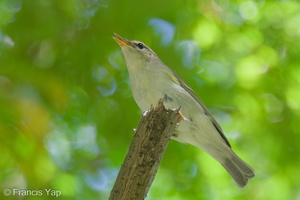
<point>135,52</point>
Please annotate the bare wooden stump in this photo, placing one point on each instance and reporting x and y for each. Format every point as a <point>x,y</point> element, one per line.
<point>145,153</point>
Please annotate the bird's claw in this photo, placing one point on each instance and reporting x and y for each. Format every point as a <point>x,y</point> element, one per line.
<point>182,117</point>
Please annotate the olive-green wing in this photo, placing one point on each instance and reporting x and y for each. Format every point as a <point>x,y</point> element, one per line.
<point>195,96</point>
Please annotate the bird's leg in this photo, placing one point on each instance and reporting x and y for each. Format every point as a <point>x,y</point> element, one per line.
<point>182,117</point>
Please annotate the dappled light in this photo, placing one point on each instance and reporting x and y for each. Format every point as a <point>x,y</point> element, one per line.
<point>67,113</point>
<point>165,30</point>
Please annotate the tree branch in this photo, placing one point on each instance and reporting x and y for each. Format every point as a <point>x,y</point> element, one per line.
<point>145,153</point>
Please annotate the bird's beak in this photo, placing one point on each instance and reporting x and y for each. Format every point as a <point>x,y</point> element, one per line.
<point>122,41</point>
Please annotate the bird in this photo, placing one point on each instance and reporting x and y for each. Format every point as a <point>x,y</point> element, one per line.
<point>151,80</point>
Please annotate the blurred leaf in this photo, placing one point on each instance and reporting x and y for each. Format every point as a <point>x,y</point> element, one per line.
<point>67,113</point>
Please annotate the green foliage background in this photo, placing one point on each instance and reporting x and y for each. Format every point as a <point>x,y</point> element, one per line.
<point>67,114</point>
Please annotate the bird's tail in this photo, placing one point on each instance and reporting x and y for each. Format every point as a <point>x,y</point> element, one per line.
<point>238,169</point>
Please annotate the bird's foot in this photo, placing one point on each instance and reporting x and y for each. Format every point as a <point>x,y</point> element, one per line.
<point>183,118</point>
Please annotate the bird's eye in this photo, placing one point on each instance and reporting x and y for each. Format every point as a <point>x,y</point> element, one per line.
<point>140,45</point>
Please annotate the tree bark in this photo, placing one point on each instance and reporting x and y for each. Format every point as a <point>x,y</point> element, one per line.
<point>145,153</point>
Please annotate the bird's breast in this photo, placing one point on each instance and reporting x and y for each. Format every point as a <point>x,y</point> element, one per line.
<point>147,95</point>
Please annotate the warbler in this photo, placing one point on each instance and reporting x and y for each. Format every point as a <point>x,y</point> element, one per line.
<point>151,80</point>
